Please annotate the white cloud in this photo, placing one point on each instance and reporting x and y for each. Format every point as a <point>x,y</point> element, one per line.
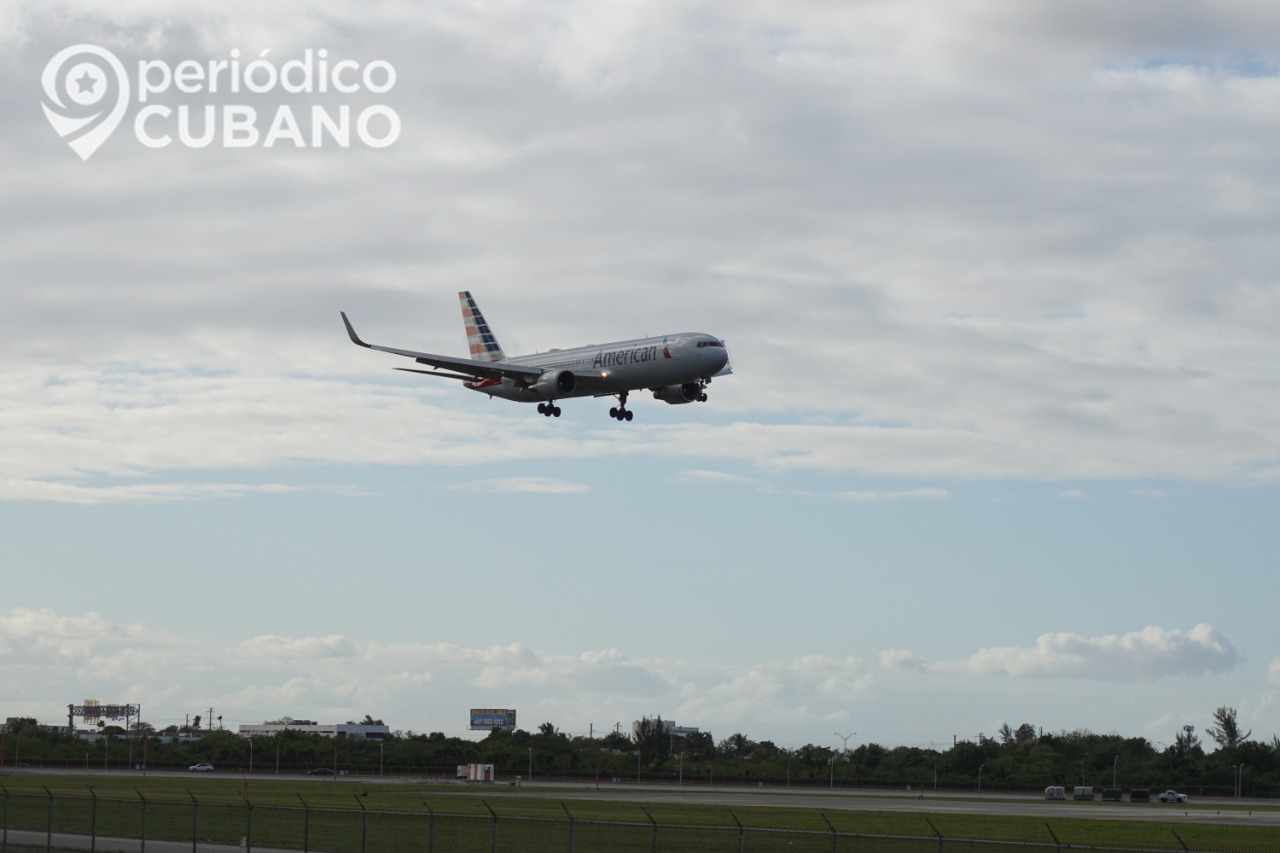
<point>881,497</point>
<point>903,660</point>
<point>1142,655</point>
<point>525,485</point>
<point>58,492</point>
<point>273,647</point>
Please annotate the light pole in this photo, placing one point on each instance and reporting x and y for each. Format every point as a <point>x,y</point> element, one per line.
<point>980,767</point>
<point>831,762</point>
<point>530,764</point>
<point>1114,761</point>
<point>681,782</point>
<point>250,753</point>
<point>844,738</point>
<point>379,757</point>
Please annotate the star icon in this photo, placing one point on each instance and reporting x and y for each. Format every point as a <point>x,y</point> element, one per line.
<point>86,82</point>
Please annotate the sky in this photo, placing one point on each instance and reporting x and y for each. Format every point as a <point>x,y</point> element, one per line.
<point>998,279</point>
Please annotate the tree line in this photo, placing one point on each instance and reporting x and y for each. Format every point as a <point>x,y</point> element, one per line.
<point>1015,758</point>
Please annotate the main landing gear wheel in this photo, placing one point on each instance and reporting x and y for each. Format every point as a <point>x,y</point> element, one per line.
<point>621,413</point>
<point>551,410</point>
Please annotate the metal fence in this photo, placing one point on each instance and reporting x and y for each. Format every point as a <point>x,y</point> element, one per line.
<point>61,822</point>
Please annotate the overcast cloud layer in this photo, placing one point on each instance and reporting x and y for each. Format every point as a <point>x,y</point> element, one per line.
<point>966,256</point>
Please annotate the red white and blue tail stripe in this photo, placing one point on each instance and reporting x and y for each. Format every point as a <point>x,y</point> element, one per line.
<point>484,346</point>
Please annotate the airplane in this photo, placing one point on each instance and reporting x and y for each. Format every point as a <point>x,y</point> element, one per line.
<point>676,368</point>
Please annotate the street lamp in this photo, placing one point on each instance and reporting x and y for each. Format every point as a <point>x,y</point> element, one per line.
<point>250,753</point>
<point>530,764</point>
<point>980,766</point>
<point>379,756</point>
<point>831,762</point>
<point>1114,761</point>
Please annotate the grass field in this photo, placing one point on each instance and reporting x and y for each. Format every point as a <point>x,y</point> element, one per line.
<point>277,813</point>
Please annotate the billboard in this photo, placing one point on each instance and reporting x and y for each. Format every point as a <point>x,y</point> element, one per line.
<point>485,719</point>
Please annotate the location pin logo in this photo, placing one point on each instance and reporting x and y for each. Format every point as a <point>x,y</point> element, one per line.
<point>86,93</point>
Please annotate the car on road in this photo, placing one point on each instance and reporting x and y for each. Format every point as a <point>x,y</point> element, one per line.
<point>320,771</point>
<point>1172,796</point>
<point>201,768</point>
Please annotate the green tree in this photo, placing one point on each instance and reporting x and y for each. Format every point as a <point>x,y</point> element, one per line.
<point>653,741</point>
<point>1227,734</point>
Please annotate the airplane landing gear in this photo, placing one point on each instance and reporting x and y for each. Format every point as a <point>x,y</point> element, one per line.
<point>621,413</point>
<point>551,410</point>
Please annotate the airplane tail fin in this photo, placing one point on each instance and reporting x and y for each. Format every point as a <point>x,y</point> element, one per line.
<point>484,346</point>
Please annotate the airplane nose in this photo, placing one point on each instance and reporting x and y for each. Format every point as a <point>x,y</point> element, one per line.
<point>722,355</point>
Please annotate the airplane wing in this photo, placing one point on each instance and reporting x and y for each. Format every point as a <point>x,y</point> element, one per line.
<point>471,368</point>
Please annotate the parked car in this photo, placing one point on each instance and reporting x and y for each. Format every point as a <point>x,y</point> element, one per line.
<point>320,771</point>
<point>1172,796</point>
<point>1055,792</point>
<point>201,768</point>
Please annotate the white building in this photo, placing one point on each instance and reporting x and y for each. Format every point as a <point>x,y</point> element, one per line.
<point>354,731</point>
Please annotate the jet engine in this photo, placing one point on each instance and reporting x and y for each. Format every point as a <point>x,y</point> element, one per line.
<point>677,394</point>
<point>555,383</point>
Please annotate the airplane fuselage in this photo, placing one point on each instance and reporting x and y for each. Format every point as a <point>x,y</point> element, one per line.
<point>622,365</point>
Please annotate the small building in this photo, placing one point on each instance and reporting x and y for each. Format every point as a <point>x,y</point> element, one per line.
<point>353,731</point>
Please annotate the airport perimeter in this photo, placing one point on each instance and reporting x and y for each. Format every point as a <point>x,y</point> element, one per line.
<point>70,822</point>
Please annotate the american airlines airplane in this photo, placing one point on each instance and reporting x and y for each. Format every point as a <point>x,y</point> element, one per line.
<point>676,368</point>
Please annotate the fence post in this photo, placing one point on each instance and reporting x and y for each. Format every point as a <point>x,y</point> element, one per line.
<point>742,833</point>
<point>248,823</point>
<point>1057,845</point>
<point>142,842</point>
<point>195,820</point>
<point>93,821</point>
<point>935,832</point>
<point>431,828</point>
<point>306,824</point>
<point>570,814</point>
<point>835,836</point>
<point>495,825</point>
<point>655,828</point>
<point>364,826</point>
<point>48,839</point>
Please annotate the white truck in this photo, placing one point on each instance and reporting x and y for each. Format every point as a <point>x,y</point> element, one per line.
<point>1172,796</point>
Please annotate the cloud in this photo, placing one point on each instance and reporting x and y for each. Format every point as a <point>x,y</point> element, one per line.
<point>59,492</point>
<point>525,485</point>
<point>882,497</point>
<point>273,647</point>
<point>39,636</point>
<point>1142,655</point>
<point>903,660</point>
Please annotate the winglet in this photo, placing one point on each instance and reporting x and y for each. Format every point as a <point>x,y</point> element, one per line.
<point>355,339</point>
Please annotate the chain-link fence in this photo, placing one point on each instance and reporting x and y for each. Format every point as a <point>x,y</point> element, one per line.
<point>63,822</point>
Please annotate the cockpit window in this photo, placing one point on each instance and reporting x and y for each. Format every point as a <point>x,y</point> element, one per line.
<point>702,344</point>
